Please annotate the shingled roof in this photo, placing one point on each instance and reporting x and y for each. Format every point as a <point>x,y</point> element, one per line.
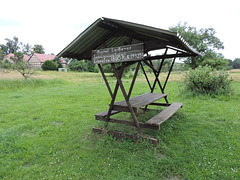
<point>25,57</point>
<point>105,32</point>
<point>44,57</point>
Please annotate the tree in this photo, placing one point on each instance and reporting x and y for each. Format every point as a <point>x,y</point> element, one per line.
<point>3,49</point>
<point>11,46</point>
<point>166,65</point>
<point>230,63</point>
<point>236,63</point>
<point>203,40</point>
<point>77,65</point>
<point>27,49</point>
<point>216,60</point>
<point>37,48</point>
<point>19,65</point>
<point>89,66</point>
<point>83,65</point>
<point>1,54</point>
<point>1,58</point>
<point>107,68</point>
<point>6,65</point>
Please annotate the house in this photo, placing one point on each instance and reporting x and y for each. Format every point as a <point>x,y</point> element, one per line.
<point>8,57</point>
<point>37,60</point>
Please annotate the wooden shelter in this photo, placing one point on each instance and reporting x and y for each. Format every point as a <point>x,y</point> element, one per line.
<point>113,41</point>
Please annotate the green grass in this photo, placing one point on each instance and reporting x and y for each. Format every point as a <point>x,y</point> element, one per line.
<point>46,133</point>
<point>19,84</point>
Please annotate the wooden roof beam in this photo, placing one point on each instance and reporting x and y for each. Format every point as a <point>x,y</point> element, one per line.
<point>167,56</point>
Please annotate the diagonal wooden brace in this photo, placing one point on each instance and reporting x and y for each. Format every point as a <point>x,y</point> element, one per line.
<point>133,80</point>
<point>126,98</point>
<point>105,80</point>
<point>157,76</point>
<point>169,72</point>
<point>114,93</point>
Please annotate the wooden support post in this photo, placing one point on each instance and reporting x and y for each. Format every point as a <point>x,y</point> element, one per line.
<point>157,77</point>
<point>150,65</point>
<point>133,80</point>
<point>105,79</point>
<point>169,72</point>
<point>114,94</point>
<point>158,73</point>
<point>146,76</point>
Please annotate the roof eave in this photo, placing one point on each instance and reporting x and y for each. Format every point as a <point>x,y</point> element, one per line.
<point>78,37</point>
<point>152,37</point>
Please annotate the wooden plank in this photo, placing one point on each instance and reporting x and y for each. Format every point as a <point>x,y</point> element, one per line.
<point>104,114</point>
<point>167,56</point>
<point>118,134</point>
<point>160,104</point>
<point>124,108</point>
<point>129,123</point>
<point>141,100</point>
<point>164,115</point>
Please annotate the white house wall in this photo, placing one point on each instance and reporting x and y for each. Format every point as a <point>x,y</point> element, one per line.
<point>34,62</point>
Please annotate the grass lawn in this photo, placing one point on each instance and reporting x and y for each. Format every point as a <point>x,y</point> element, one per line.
<point>46,132</point>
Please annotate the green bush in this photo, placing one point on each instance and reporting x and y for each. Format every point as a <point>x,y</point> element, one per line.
<point>49,65</point>
<point>107,68</point>
<point>96,70</point>
<point>77,66</point>
<point>82,65</point>
<point>58,61</point>
<point>205,80</point>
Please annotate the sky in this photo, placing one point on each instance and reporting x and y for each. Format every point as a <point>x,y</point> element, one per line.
<point>54,24</point>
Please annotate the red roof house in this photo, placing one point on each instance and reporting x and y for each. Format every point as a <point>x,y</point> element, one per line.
<point>37,60</point>
<point>8,57</point>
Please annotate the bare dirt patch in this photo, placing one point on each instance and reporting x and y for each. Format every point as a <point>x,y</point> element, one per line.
<point>12,75</point>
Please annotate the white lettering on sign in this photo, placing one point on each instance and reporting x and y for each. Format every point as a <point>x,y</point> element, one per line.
<point>132,52</point>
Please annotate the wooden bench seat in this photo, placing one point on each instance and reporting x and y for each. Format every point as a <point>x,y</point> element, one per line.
<point>103,114</point>
<point>164,115</point>
<point>153,123</point>
<point>138,101</point>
